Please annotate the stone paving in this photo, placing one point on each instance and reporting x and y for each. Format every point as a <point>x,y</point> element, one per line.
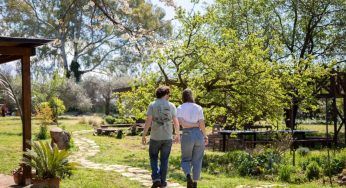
<point>88,148</point>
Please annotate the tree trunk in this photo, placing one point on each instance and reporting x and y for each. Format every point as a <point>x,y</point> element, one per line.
<point>107,106</point>
<point>64,58</point>
<point>291,122</point>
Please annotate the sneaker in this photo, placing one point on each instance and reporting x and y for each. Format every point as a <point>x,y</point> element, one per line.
<point>163,184</point>
<point>194,185</point>
<point>156,184</point>
<point>189,181</point>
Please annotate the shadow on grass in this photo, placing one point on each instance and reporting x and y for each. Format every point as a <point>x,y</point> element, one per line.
<point>10,134</point>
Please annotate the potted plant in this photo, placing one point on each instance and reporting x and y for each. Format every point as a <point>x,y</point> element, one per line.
<point>18,175</point>
<point>50,163</point>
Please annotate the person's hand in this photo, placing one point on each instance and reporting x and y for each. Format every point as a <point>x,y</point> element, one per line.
<point>176,138</point>
<point>206,140</point>
<point>144,140</point>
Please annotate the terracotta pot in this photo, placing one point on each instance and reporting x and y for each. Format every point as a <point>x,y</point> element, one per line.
<point>44,183</point>
<point>18,178</point>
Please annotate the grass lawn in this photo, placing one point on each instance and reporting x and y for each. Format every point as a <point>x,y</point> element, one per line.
<point>11,138</point>
<point>97,179</point>
<point>127,151</point>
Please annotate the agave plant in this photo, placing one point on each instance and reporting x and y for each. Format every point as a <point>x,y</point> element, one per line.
<point>48,161</point>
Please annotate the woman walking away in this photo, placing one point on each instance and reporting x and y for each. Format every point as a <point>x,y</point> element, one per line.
<point>194,137</point>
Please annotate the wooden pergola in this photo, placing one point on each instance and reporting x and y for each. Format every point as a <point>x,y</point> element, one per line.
<point>336,88</point>
<point>12,49</point>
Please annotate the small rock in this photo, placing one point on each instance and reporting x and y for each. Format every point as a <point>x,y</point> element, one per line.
<point>128,174</point>
<point>60,137</point>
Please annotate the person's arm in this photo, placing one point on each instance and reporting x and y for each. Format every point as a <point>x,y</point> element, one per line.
<point>176,130</point>
<point>186,124</point>
<point>147,125</point>
<point>202,127</point>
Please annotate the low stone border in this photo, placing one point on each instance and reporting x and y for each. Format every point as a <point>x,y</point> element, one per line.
<point>88,148</point>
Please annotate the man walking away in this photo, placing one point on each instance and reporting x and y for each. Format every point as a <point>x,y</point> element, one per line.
<point>160,116</point>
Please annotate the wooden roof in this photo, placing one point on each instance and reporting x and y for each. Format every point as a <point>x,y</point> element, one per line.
<point>13,48</point>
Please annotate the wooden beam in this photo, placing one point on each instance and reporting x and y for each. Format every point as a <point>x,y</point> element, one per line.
<point>26,105</point>
<point>19,51</point>
<point>124,89</point>
<point>5,59</point>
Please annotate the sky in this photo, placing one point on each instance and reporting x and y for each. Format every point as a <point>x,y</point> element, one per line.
<point>186,4</point>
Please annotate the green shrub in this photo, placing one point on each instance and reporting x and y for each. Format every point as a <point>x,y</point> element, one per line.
<point>314,157</point>
<point>313,171</point>
<point>57,106</point>
<point>303,151</point>
<point>109,119</point>
<point>120,134</point>
<point>285,172</point>
<point>71,145</point>
<point>298,178</point>
<point>215,164</point>
<point>248,166</point>
<point>269,160</point>
<point>334,167</point>
<point>235,157</point>
<point>43,133</point>
<point>123,120</point>
<point>209,162</point>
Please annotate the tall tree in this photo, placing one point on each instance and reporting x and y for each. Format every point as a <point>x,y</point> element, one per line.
<point>303,36</point>
<point>247,58</point>
<point>85,38</point>
<point>230,75</point>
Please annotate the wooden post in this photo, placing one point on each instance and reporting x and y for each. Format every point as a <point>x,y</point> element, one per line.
<point>345,112</point>
<point>334,107</point>
<point>335,120</point>
<point>26,105</point>
<point>343,85</point>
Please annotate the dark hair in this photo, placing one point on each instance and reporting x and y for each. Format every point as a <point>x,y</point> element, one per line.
<point>187,96</point>
<point>162,91</point>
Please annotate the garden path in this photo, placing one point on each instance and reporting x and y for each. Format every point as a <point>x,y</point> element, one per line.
<point>88,148</point>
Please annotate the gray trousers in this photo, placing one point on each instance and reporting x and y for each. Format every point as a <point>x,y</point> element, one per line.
<point>192,151</point>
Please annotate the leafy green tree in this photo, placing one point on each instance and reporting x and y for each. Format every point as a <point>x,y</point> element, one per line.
<point>134,103</point>
<point>251,59</point>
<point>310,32</point>
<point>229,75</point>
<point>303,37</point>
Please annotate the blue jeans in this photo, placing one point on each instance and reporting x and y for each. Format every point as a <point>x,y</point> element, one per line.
<point>164,148</point>
<point>192,151</point>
